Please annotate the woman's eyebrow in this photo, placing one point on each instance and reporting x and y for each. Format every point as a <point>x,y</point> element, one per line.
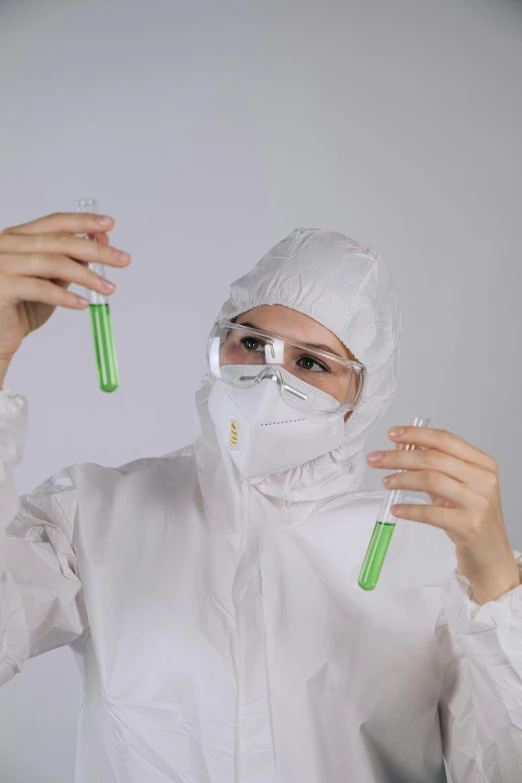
<point>327,348</point>
<point>319,346</point>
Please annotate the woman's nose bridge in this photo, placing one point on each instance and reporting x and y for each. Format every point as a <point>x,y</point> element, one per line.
<point>272,373</point>
<point>276,352</point>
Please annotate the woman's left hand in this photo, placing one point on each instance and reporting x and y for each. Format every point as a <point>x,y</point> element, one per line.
<point>463,485</point>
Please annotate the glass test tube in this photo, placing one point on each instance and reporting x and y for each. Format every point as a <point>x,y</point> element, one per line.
<point>104,348</point>
<point>384,527</point>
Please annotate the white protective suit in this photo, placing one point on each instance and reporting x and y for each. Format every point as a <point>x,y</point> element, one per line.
<point>221,632</point>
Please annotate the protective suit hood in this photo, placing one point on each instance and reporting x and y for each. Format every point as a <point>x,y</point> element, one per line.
<point>347,288</point>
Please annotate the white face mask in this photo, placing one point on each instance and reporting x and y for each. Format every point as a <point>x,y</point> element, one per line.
<point>264,434</point>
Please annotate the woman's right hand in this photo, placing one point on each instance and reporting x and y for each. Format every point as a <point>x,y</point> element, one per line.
<point>38,262</point>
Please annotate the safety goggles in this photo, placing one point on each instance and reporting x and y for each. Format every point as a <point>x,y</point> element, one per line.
<point>307,377</point>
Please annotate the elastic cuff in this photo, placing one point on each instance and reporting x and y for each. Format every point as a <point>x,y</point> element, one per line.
<point>465,615</point>
<point>13,426</point>
<point>11,403</point>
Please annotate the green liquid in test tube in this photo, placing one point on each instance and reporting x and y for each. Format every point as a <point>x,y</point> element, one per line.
<point>384,527</point>
<point>104,348</point>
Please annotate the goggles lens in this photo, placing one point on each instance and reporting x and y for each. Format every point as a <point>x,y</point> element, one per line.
<point>310,378</point>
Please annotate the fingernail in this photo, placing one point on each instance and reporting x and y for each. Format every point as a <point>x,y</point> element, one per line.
<point>81,301</point>
<point>103,220</point>
<point>120,256</point>
<point>396,431</point>
<point>388,481</point>
<point>375,457</point>
<point>107,286</point>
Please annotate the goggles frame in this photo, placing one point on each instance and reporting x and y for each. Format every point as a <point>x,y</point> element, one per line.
<point>264,372</point>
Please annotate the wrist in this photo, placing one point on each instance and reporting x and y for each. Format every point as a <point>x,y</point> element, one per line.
<point>4,365</point>
<point>492,585</point>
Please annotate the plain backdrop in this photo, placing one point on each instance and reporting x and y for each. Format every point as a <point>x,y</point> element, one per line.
<point>210,130</point>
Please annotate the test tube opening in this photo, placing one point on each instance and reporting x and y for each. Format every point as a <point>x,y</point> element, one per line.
<point>419,421</point>
<point>86,205</point>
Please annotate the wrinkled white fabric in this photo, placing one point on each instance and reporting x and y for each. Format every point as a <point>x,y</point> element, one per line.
<point>221,632</point>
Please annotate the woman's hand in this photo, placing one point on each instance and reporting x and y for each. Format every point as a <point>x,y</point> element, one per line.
<point>38,262</point>
<point>463,485</point>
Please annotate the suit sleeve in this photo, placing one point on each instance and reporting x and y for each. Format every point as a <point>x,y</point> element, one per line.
<point>481,702</point>
<point>41,601</point>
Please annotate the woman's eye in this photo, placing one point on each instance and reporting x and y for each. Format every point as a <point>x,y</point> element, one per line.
<point>252,344</point>
<point>307,363</point>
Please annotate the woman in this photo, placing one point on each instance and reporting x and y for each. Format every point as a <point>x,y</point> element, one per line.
<point>211,595</point>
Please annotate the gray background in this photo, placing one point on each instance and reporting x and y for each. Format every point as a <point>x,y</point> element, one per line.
<point>212,129</point>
